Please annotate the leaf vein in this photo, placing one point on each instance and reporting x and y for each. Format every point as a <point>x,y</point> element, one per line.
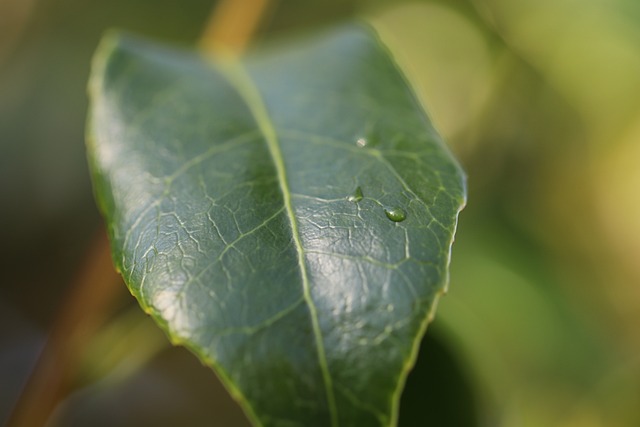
<point>239,78</point>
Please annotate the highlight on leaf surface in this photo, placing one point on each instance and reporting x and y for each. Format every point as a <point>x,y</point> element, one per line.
<point>287,216</point>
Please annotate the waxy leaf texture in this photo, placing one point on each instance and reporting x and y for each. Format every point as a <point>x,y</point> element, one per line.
<point>287,216</point>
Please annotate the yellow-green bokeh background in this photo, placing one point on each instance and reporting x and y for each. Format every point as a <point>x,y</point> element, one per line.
<point>540,100</point>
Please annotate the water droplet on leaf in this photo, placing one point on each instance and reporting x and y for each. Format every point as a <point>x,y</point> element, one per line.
<point>361,142</point>
<point>356,196</point>
<point>395,214</point>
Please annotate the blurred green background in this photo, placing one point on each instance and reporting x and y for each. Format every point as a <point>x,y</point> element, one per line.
<point>540,101</point>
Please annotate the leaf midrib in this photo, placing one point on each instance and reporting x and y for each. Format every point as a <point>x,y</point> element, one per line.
<point>241,81</point>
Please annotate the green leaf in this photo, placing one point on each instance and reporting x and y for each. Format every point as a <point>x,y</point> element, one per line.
<point>287,217</point>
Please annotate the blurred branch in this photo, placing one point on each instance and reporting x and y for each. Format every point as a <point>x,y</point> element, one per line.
<point>14,19</point>
<point>90,300</point>
<point>232,25</point>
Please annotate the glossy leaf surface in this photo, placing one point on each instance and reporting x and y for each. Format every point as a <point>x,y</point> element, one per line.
<point>287,217</point>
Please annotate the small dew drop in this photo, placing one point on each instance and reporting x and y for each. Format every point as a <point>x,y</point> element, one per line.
<point>361,142</point>
<point>356,196</point>
<point>395,214</point>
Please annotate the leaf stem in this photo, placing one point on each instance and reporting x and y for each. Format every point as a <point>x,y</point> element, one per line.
<point>232,25</point>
